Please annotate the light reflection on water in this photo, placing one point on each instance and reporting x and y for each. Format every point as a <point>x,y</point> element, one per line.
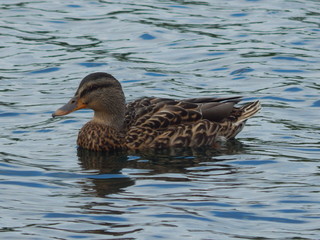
<point>265,185</point>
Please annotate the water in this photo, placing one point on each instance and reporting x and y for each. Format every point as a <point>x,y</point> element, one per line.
<point>264,186</point>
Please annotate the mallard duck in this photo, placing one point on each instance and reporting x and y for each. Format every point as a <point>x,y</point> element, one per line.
<point>152,122</point>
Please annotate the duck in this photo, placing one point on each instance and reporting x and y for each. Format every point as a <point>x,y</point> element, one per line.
<point>152,122</point>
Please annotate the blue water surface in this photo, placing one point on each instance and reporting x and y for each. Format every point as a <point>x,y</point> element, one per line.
<point>263,185</point>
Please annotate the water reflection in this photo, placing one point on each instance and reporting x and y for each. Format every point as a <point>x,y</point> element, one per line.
<point>107,167</point>
<point>127,184</point>
<point>103,161</point>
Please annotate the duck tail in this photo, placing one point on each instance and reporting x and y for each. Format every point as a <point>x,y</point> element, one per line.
<point>249,110</point>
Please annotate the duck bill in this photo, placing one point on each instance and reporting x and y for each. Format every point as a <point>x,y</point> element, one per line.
<point>73,105</point>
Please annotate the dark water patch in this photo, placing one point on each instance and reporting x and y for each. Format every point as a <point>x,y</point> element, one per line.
<point>147,36</point>
<point>299,202</point>
<point>108,218</point>
<point>89,176</point>
<point>20,173</point>
<point>27,184</point>
<point>15,114</point>
<point>238,78</point>
<point>62,175</point>
<point>287,137</point>
<point>288,71</point>
<point>219,69</point>
<point>44,130</point>
<point>181,217</point>
<point>131,81</point>
<point>73,6</point>
<point>173,44</point>
<point>153,74</point>
<point>296,196</point>
<point>178,6</point>
<point>92,64</point>
<point>106,176</point>
<point>46,70</point>
<point>307,149</point>
<point>26,131</point>
<point>69,121</point>
<point>20,131</point>
<point>239,15</point>
<point>258,206</point>
<point>203,204</point>
<point>293,89</point>
<point>242,35</point>
<point>289,59</point>
<point>253,217</point>
<point>254,162</point>
<point>78,236</point>
<point>9,114</point>
<point>169,185</point>
<point>216,53</point>
<point>57,21</point>
<point>137,208</point>
<point>316,104</point>
<point>291,211</point>
<point>283,99</point>
<point>6,165</point>
<point>242,71</point>
<point>311,217</point>
<point>300,43</point>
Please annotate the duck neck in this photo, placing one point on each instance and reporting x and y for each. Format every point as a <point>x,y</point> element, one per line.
<point>110,109</point>
<point>115,121</point>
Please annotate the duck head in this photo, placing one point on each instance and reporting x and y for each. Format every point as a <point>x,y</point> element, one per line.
<point>102,93</point>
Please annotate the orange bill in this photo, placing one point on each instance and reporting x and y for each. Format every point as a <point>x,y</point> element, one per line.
<point>73,105</point>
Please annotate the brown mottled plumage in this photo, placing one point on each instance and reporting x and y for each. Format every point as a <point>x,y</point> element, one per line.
<point>152,122</point>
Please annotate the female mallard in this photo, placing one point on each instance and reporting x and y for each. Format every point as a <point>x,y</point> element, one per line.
<point>152,122</point>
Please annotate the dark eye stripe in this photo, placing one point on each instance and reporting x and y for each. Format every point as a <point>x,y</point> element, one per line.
<point>94,87</point>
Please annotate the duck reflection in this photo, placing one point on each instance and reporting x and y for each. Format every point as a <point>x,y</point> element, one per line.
<point>182,160</point>
<point>108,166</point>
<point>104,162</point>
<point>114,173</point>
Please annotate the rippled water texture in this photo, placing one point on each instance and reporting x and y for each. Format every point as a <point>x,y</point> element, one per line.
<point>263,186</point>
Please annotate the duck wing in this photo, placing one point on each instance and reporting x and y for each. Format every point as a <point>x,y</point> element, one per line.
<point>196,122</point>
<point>213,109</point>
